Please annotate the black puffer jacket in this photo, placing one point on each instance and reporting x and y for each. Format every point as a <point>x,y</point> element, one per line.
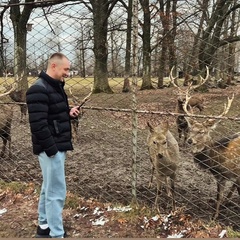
<point>49,116</point>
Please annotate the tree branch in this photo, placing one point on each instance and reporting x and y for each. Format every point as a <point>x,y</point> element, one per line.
<point>229,40</point>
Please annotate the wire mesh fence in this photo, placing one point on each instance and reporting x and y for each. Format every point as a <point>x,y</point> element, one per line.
<point>123,53</point>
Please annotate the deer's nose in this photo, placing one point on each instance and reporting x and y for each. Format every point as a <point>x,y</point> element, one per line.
<point>160,155</point>
<point>189,141</point>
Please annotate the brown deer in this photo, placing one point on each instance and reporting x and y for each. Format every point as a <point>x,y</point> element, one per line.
<point>18,96</point>
<point>194,102</point>
<point>75,121</point>
<point>221,158</point>
<point>6,115</point>
<point>164,156</point>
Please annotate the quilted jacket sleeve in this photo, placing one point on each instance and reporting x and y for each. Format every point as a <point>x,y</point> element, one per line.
<point>38,104</point>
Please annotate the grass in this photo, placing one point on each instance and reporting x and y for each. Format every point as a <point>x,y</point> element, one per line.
<point>132,218</point>
<point>15,187</point>
<point>135,211</point>
<point>232,234</point>
<point>84,82</point>
<point>72,201</point>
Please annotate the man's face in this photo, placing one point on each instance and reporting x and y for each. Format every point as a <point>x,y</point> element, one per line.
<point>61,68</point>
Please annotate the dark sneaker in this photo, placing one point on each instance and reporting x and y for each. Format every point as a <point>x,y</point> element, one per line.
<point>65,235</point>
<point>43,233</point>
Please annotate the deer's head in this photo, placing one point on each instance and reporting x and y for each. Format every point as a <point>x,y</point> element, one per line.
<point>199,132</point>
<point>157,140</point>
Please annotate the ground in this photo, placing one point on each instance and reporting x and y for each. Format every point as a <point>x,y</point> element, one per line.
<point>99,174</point>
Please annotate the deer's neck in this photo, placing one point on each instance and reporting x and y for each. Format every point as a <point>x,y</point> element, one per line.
<point>16,96</point>
<point>203,158</point>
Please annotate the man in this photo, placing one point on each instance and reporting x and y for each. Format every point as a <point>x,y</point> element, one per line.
<point>49,118</point>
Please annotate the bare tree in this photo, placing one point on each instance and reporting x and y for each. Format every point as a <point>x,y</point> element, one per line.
<point>20,12</point>
<point>81,55</point>
<point>192,60</point>
<point>168,16</point>
<point>53,40</point>
<point>116,41</point>
<point>211,35</point>
<point>211,38</point>
<point>146,29</point>
<point>126,84</point>
<point>234,25</point>
<point>172,36</point>
<point>3,41</point>
<point>101,10</point>
<point>19,17</point>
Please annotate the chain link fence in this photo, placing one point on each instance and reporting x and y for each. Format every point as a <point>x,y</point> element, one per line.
<point>123,52</point>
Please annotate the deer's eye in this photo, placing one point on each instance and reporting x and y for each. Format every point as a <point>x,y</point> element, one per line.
<point>154,142</point>
<point>164,142</point>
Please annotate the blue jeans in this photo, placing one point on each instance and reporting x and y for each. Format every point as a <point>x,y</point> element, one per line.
<point>53,192</point>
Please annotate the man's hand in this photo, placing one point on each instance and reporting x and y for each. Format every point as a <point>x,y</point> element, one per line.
<point>74,112</point>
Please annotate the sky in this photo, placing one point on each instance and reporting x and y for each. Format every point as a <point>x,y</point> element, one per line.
<point>64,22</point>
<point>64,27</point>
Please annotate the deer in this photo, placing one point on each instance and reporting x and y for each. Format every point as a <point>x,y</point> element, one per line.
<point>220,157</point>
<point>164,156</point>
<point>18,96</point>
<point>195,102</point>
<point>75,121</point>
<point>6,115</point>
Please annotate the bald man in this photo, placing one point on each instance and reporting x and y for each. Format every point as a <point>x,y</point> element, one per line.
<point>49,119</point>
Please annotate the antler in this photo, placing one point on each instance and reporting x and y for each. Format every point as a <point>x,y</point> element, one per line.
<point>172,79</point>
<point>186,105</point>
<point>203,80</point>
<point>9,91</point>
<point>225,110</point>
<point>182,92</point>
<point>73,96</point>
<point>84,100</point>
<point>227,106</point>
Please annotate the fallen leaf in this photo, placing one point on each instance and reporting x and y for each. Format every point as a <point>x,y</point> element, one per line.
<point>122,220</point>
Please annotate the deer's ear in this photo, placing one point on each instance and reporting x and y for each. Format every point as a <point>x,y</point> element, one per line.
<point>210,123</point>
<point>150,127</point>
<point>165,127</point>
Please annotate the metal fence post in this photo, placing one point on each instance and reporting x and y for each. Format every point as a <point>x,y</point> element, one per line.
<point>134,99</point>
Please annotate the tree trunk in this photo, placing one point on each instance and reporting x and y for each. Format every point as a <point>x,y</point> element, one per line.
<point>162,61</point>
<point>19,20</point>
<point>172,36</point>
<point>146,80</point>
<point>20,72</point>
<point>211,35</point>
<point>192,64</point>
<point>126,83</point>
<point>232,47</point>
<point>210,40</point>
<point>100,21</point>
<point>165,18</point>
<point>3,64</point>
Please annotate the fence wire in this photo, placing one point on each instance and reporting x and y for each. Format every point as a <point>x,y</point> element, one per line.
<point>124,53</point>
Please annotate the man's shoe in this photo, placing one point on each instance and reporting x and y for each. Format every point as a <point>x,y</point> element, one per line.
<point>43,233</point>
